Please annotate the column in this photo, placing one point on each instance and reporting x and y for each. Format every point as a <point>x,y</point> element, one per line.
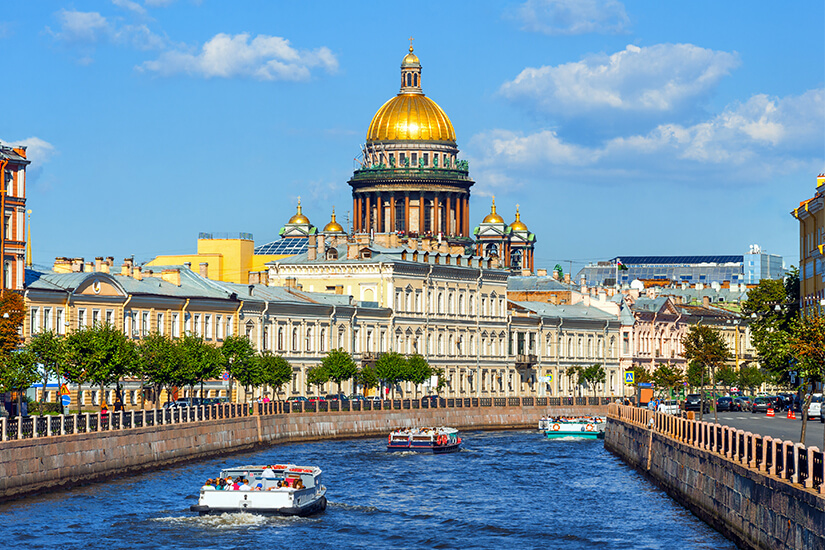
<point>447,212</point>
<point>436,219</point>
<point>421,215</point>
<point>367,220</point>
<point>467,215</point>
<point>379,214</point>
<point>393,225</point>
<point>355,212</point>
<point>406,213</point>
<point>459,216</point>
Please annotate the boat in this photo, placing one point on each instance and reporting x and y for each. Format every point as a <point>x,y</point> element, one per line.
<point>589,427</point>
<point>424,440</point>
<point>281,489</point>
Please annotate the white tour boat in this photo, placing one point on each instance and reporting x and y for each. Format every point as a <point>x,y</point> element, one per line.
<point>424,440</point>
<point>589,427</point>
<point>281,489</point>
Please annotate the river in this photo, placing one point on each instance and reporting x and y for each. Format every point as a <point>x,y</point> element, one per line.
<point>504,489</point>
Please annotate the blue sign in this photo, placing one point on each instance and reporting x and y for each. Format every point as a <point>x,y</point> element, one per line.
<point>645,385</point>
<point>66,400</point>
<point>628,377</point>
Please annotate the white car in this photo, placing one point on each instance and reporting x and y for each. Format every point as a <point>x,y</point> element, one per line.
<point>669,406</point>
<point>815,408</point>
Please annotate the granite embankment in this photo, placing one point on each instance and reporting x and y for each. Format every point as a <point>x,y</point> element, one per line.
<point>31,465</point>
<point>759,492</point>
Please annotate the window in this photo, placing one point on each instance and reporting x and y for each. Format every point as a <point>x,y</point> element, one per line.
<point>414,160</point>
<point>159,327</point>
<point>144,324</point>
<point>110,317</point>
<point>418,302</point>
<point>341,335</point>
<point>229,325</point>
<point>95,317</point>
<point>426,157</point>
<point>208,327</point>
<point>187,323</point>
<point>280,338</point>
<point>309,339</point>
<point>294,339</point>
<point>323,346</point>
<point>35,320</point>
<point>175,325</point>
<point>219,326</point>
<point>625,342</point>
<point>61,321</point>
<point>81,318</point>
<point>47,318</point>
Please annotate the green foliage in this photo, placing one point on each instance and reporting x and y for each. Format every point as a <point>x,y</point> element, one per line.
<point>726,376</point>
<point>807,343</point>
<point>11,303</point>
<point>418,370</point>
<point>317,376</point>
<point>18,371</point>
<point>158,360</point>
<point>667,377</point>
<point>275,370</point>
<point>49,352</point>
<point>697,375</point>
<point>199,361</point>
<point>592,375</point>
<point>750,378</point>
<point>390,368</point>
<point>367,377</point>
<point>237,353</point>
<point>339,366</point>
<point>704,345</point>
<point>641,375</point>
<point>772,306</point>
<point>442,378</point>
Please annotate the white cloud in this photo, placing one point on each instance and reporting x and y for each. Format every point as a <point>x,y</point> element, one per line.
<point>158,3</point>
<point>751,141</point>
<point>654,79</point>
<point>262,58</point>
<point>38,151</point>
<point>86,29</point>
<point>566,17</point>
<point>130,6</point>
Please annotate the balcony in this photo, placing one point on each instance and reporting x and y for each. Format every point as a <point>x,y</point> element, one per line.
<point>525,361</point>
<point>370,356</point>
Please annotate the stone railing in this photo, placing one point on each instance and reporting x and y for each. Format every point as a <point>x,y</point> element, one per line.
<point>29,427</point>
<point>793,462</point>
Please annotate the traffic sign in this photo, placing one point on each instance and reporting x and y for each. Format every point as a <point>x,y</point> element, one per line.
<point>628,376</point>
<point>66,400</point>
<point>225,375</point>
<point>64,390</point>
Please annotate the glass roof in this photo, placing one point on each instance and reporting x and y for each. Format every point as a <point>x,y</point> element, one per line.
<point>289,246</point>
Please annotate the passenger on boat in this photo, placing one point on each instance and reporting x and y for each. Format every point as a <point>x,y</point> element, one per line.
<point>258,487</point>
<point>269,473</point>
<point>244,486</point>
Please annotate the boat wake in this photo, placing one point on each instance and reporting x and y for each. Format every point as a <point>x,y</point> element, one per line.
<point>240,520</point>
<point>355,508</point>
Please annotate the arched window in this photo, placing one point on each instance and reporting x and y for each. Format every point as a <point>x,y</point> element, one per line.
<point>415,79</point>
<point>323,345</point>
<point>309,339</point>
<point>440,302</point>
<point>295,339</point>
<point>450,308</point>
<point>612,346</point>
<point>341,338</point>
<point>461,304</point>
<point>280,338</point>
<point>441,344</point>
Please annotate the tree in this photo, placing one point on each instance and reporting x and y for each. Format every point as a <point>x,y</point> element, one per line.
<point>418,371</point>
<point>726,376</point>
<point>807,343</point>
<point>237,353</point>
<point>667,376</point>
<point>704,345</point>
<point>317,376</point>
<point>12,316</point>
<point>275,370</point>
<point>696,375</point>
<point>115,357</point>
<point>773,305</point>
<point>438,372</point>
<point>390,368</point>
<point>367,378</point>
<point>575,373</point>
<point>80,349</point>
<point>339,366</point>
<point>593,375</point>
<point>49,352</point>
<point>18,371</point>
<point>200,361</point>
<point>158,361</point>
<point>750,378</point>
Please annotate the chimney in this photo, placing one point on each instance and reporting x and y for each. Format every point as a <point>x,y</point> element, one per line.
<point>203,269</point>
<point>88,268</point>
<point>77,265</point>
<point>99,263</point>
<point>706,301</point>
<point>339,289</point>
<point>444,248</point>
<point>171,276</point>
<point>352,251</point>
<point>137,273</point>
<point>291,282</point>
<point>526,272</point>
<point>393,240</point>
<point>251,290</point>
<point>187,265</point>
<point>62,265</point>
<point>412,244</point>
<point>312,248</point>
<point>106,265</point>
<point>126,268</point>
<point>254,277</point>
<point>566,277</point>
<point>321,247</point>
<point>555,275</point>
<point>541,272</point>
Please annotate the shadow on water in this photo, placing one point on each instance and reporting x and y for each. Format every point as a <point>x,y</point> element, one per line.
<point>502,489</point>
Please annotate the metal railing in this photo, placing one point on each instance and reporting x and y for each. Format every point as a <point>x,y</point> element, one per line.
<point>34,427</point>
<point>804,466</point>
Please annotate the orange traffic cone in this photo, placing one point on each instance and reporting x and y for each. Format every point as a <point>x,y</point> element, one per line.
<point>771,413</point>
<point>791,414</point>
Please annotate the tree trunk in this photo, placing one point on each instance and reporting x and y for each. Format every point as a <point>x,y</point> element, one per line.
<point>43,393</point>
<point>807,403</point>
<point>79,403</point>
<point>713,397</point>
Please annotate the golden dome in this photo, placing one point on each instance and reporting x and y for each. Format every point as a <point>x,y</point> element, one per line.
<point>411,60</point>
<point>492,217</point>
<point>411,117</point>
<point>518,225</point>
<point>333,226</point>
<point>299,217</point>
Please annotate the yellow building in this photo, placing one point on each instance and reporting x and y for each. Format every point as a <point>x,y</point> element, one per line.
<point>811,216</point>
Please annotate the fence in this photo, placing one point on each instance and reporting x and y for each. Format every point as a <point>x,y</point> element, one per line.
<point>786,460</point>
<point>27,427</point>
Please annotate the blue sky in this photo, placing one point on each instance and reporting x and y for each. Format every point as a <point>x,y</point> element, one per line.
<point>621,128</point>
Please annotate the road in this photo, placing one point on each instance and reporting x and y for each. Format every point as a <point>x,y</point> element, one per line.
<point>778,426</point>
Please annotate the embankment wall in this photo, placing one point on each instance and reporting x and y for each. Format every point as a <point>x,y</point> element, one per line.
<point>33,465</point>
<point>753,509</point>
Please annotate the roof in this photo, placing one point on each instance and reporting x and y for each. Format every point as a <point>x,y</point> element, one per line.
<point>535,283</point>
<point>566,311</point>
<point>645,260</point>
<point>290,245</point>
<point>8,153</point>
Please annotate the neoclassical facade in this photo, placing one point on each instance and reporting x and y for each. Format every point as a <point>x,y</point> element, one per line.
<point>13,248</point>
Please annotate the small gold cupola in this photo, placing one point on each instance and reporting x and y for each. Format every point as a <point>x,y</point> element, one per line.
<point>299,217</point>
<point>333,226</point>
<point>410,73</point>
<point>518,225</point>
<point>492,217</point>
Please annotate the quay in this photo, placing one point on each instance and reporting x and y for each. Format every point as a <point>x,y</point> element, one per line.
<point>760,492</point>
<point>49,452</point>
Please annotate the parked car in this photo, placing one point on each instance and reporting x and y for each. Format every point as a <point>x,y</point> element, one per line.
<point>356,397</point>
<point>183,402</point>
<point>336,397</point>
<point>317,399</point>
<point>693,402</point>
<point>296,398</point>
<point>724,404</point>
<point>669,406</point>
<point>762,404</point>
<point>214,400</point>
<point>741,404</point>
<point>815,408</point>
<point>431,398</point>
